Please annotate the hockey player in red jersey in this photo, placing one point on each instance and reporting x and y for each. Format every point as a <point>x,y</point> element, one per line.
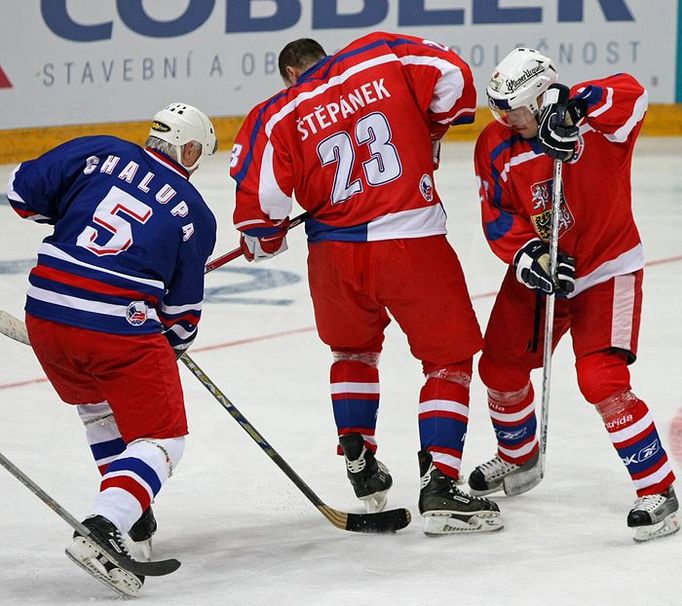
<point>115,296</point>
<point>592,129</point>
<point>354,137</point>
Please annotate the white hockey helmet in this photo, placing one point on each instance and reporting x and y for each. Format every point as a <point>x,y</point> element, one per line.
<point>180,123</point>
<point>518,81</point>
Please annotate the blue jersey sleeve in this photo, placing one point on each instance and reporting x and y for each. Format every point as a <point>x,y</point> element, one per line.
<point>181,306</point>
<point>37,188</point>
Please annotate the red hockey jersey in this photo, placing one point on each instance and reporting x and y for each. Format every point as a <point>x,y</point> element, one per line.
<point>352,140</point>
<point>596,225</point>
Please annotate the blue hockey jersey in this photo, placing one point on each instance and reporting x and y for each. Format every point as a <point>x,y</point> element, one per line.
<point>131,238</point>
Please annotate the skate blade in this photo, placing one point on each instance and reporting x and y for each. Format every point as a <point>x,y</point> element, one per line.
<point>518,482</point>
<point>88,557</point>
<point>141,550</point>
<point>376,502</point>
<point>483,493</point>
<point>669,525</point>
<point>438,524</point>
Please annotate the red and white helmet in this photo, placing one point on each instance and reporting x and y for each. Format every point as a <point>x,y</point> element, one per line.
<point>518,81</point>
<point>180,123</point>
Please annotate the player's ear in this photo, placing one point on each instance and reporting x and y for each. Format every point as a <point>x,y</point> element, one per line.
<point>292,75</point>
<point>191,151</point>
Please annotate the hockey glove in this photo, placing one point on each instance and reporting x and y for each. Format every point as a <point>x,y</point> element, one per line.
<point>259,248</point>
<point>182,348</point>
<point>565,275</point>
<point>532,269</point>
<point>556,137</point>
<point>576,109</point>
<point>435,150</point>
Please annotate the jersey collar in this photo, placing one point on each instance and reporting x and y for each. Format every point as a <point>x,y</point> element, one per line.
<point>169,162</point>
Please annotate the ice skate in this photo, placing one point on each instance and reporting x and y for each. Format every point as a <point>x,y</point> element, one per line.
<point>654,516</point>
<point>370,478</point>
<point>448,510</point>
<point>497,474</point>
<point>142,532</point>
<point>91,558</point>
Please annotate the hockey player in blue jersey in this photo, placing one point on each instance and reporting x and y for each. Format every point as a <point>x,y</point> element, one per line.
<point>115,296</point>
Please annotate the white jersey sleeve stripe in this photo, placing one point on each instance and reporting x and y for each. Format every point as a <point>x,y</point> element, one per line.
<point>273,201</point>
<point>624,131</point>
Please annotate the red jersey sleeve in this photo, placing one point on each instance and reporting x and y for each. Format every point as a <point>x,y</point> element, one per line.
<point>506,229</point>
<point>615,105</point>
<point>262,171</point>
<point>442,82</point>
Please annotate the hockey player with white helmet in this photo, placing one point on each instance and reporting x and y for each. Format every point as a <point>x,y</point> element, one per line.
<point>184,127</point>
<point>115,296</point>
<point>591,128</point>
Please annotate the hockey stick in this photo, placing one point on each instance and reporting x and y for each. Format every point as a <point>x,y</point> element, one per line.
<point>549,313</point>
<point>238,252</point>
<point>385,521</point>
<point>525,479</point>
<point>15,329</point>
<point>156,568</point>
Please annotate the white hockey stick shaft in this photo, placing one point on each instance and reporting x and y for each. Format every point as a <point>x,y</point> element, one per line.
<point>549,313</point>
<point>13,328</point>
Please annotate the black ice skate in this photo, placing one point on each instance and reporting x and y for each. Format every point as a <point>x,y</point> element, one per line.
<point>497,474</point>
<point>88,555</point>
<point>142,532</point>
<point>654,515</point>
<point>370,478</point>
<point>448,510</point>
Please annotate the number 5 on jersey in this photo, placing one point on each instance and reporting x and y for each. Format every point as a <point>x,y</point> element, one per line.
<point>107,214</point>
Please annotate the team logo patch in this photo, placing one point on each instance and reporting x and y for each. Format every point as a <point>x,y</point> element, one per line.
<point>136,313</point>
<point>160,126</point>
<point>541,211</point>
<point>426,187</point>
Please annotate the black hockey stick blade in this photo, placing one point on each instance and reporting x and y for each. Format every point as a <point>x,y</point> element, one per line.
<point>382,522</point>
<point>385,521</point>
<point>154,568</point>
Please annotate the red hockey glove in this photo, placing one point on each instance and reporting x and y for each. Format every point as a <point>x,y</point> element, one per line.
<point>259,248</point>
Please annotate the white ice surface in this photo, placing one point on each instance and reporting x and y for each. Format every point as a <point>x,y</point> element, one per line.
<point>243,531</point>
